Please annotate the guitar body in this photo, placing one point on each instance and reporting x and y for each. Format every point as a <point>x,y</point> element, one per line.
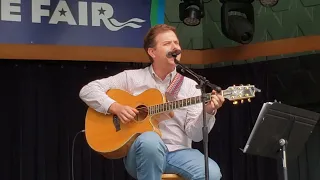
<point>107,135</point>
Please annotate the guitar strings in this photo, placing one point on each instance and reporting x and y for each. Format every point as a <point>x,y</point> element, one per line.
<point>142,108</point>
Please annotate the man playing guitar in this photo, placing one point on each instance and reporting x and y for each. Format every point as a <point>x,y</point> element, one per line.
<point>151,155</point>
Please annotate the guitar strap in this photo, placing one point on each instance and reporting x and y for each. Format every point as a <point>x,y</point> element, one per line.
<point>174,87</point>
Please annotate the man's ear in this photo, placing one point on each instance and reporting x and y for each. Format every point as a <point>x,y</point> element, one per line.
<point>151,52</point>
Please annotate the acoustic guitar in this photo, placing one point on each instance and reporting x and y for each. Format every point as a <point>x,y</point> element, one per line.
<point>107,135</point>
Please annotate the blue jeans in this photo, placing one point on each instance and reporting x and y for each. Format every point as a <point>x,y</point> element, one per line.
<point>148,159</point>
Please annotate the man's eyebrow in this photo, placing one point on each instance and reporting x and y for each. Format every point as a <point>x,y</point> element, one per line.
<point>165,41</point>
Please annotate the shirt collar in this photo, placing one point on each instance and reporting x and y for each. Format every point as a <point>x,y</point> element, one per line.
<point>154,75</point>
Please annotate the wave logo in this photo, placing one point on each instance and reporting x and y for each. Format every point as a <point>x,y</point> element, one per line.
<point>105,12</point>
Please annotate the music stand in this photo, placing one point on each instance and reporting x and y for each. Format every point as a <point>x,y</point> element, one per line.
<point>280,130</point>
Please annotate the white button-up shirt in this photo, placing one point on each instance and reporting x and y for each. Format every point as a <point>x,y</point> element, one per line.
<point>178,132</point>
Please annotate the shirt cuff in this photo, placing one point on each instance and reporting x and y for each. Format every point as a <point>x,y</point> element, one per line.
<point>213,113</point>
<point>209,118</point>
<point>106,103</point>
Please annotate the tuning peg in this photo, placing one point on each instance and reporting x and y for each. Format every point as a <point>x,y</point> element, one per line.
<point>241,101</point>
<point>249,100</point>
<point>235,102</point>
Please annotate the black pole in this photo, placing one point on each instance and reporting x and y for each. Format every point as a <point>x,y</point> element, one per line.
<point>203,82</point>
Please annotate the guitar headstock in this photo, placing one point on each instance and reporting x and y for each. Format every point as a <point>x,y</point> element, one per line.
<point>236,93</point>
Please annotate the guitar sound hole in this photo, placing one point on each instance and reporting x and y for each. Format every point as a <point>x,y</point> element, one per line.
<point>143,112</point>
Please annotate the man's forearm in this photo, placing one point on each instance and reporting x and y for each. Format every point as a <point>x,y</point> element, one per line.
<point>96,98</point>
<point>194,127</point>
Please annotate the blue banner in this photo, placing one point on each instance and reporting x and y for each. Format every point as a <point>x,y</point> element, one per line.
<point>116,23</point>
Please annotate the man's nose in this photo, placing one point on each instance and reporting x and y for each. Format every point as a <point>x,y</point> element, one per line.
<point>175,47</point>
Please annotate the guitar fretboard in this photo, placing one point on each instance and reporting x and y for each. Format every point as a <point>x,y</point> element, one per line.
<point>233,93</point>
<point>168,106</point>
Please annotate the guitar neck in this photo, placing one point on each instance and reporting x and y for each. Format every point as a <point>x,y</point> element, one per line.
<point>169,106</point>
<point>232,93</point>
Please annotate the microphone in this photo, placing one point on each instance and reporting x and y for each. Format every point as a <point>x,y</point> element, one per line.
<point>173,53</point>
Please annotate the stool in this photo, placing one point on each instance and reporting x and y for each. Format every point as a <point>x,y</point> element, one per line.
<point>171,177</point>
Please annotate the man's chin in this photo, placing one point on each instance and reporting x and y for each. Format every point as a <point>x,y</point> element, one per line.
<point>171,62</point>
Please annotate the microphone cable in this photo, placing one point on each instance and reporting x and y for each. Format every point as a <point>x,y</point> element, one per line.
<point>72,153</point>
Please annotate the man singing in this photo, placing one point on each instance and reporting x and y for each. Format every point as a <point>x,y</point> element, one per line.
<point>150,155</point>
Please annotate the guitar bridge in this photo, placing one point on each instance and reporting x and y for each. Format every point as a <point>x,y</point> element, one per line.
<point>116,122</point>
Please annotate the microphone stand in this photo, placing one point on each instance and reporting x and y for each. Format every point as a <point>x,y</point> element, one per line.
<point>203,82</point>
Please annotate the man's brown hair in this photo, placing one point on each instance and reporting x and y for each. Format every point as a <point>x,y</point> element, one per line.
<point>149,39</point>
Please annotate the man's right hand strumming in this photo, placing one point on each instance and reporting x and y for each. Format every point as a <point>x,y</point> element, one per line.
<point>125,113</point>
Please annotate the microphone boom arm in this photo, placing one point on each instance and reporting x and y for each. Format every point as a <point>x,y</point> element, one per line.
<point>202,80</point>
